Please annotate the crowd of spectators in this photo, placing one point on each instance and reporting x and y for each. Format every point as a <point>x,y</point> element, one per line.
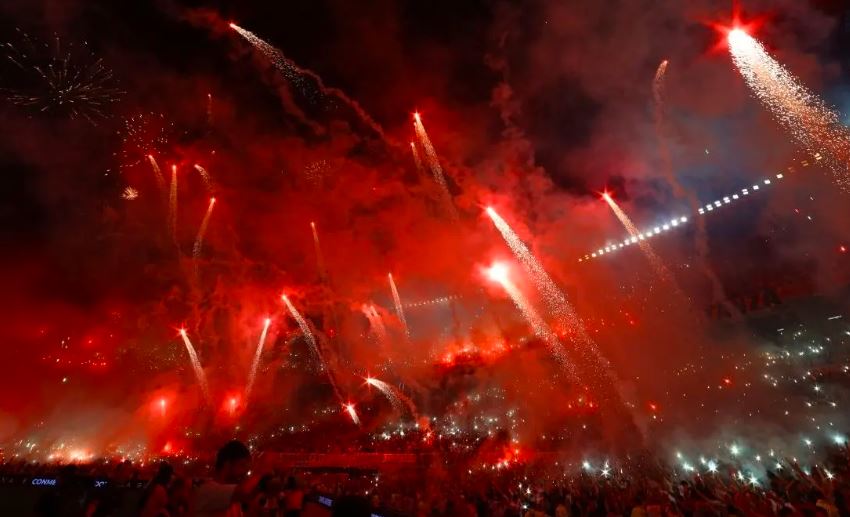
<point>233,487</point>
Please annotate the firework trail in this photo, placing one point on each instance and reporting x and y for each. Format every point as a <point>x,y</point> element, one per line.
<point>434,163</point>
<point>799,111</point>
<point>659,267</point>
<point>701,234</point>
<point>157,173</point>
<point>397,399</point>
<point>376,324</point>
<point>144,135</point>
<point>420,168</point>
<point>498,273</point>
<point>661,130</point>
<point>594,367</point>
<point>199,239</point>
<point>52,79</point>
<point>298,76</point>
<point>399,309</point>
<point>209,109</point>
<point>554,298</point>
<point>172,204</point>
<point>130,193</point>
<point>349,408</point>
<point>204,176</point>
<point>320,258</point>
<point>252,375</point>
<point>311,340</point>
<point>196,366</point>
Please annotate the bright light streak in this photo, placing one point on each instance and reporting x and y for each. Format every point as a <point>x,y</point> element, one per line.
<point>812,123</point>
<point>252,375</point>
<point>349,408</point>
<point>498,272</point>
<point>202,230</point>
<point>196,366</point>
<point>399,308</point>
<point>434,163</point>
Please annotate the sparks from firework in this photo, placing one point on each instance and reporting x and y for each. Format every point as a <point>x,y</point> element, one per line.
<point>196,366</point>
<point>157,173</point>
<point>434,164</point>
<point>499,272</point>
<point>399,308</point>
<point>812,123</point>
<point>311,340</point>
<point>144,135</point>
<point>349,408</point>
<point>298,76</point>
<point>395,396</point>
<point>51,79</point>
<point>320,259</point>
<point>205,175</point>
<point>255,364</point>
<point>130,193</point>
<point>417,160</point>
<point>554,298</point>
<point>172,205</point>
<point>376,324</point>
<point>659,267</point>
<point>202,230</point>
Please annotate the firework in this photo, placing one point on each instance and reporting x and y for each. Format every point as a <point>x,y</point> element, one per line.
<point>204,176</point>
<point>252,375</point>
<point>397,399</point>
<point>311,340</point>
<point>196,366</point>
<point>303,78</point>
<point>799,111</point>
<point>660,269</point>
<point>50,78</point>
<point>500,273</point>
<point>130,193</point>
<point>376,324</point>
<point>434,163</point>
<point>199,239</point>
<point>349,408</point>
<point>209,109</point>
<point>417,160</point>
<point>701,210</point>
<point>555,300</point>
<point>172,205</point>
<point>143,136</point>
<point>320,260</point>
<point>399,309</point>
<point>661,130</point>
<point>157,172</point>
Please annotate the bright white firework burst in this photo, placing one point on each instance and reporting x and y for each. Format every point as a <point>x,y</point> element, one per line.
<point>55,78</point>
<point>799,111</point>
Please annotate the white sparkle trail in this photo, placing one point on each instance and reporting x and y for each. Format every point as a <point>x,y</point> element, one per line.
<point>255,364</point>
<point>205,175</point>
<point>802,113</point>
<point>397,399</point>
<point>196,366</point>
<point>297,76</point>
<point>399,309</point>
<point>205,222</point>
<point>434,163</point>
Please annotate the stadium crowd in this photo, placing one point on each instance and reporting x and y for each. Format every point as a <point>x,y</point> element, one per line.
<point>233,487</point>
